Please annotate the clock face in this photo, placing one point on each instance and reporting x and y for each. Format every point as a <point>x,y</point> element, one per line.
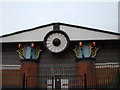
<point>56,41</point>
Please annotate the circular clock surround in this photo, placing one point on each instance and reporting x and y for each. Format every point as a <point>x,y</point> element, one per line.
<point>56,41</point>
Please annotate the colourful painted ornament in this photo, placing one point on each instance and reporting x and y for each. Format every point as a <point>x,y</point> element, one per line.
<point>32,45</point>
<point>80,44</point>
<point>94,44</point>
<point>19,45</point>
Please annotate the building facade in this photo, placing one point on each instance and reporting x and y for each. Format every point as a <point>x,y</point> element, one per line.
<point>59,54</point>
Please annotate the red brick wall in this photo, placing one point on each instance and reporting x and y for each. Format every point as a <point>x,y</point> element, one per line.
<point>30,68</point>
<point>12,78</point>
<point>87,67</point>
<point>106,75</point>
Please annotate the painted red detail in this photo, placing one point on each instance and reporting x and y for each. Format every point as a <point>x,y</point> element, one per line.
<point>80,44</point>
<point>32,45</point>
<point>94,44</point>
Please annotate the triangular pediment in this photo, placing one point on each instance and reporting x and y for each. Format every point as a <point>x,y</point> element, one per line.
<point>74,32</point>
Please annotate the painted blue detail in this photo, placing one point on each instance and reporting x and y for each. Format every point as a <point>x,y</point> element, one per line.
<point>28,51</point>
<point>33,53</point>
<point>80,52</point>
<point>86,51</point>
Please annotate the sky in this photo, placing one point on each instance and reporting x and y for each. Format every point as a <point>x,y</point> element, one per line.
<point>17,16</point>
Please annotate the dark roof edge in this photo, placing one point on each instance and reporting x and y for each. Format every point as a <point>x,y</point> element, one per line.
<point>76,26</point>
<point>27,30</point>
<point>92,29</point>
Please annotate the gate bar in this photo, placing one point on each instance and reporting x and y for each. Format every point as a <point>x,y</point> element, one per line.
<point>85,82</point>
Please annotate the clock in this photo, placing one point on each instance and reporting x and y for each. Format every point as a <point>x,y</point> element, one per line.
<point>56,41</point>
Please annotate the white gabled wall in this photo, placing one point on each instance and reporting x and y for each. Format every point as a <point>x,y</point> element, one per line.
<point>29,36</point>
<point>73,33</point>
<point>83,34</point>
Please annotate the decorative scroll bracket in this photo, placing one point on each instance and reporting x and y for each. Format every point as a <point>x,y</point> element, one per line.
<point>85,51</point>
<point>27,52</point>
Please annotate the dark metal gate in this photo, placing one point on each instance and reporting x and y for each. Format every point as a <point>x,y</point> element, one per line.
<point>60,82</point>
<point>66,77</point>
<point>57,77</point>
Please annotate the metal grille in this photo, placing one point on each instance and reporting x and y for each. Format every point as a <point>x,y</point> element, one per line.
<point>67,76</point>
<point>12,79</point>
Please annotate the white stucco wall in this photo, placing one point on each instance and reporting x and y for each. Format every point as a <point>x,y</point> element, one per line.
<point>84,34</point>
<point>34,35</point>
<point>73,33</point>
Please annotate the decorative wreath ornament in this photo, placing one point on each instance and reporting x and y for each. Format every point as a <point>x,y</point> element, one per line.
<point>56,41</point>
